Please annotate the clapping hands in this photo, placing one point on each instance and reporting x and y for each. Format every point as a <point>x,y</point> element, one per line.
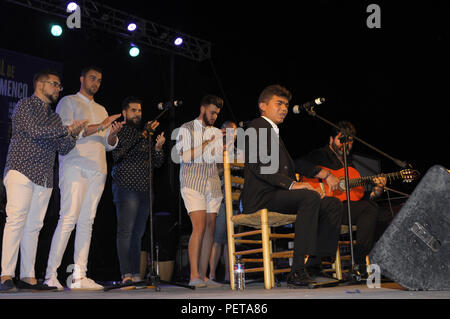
<point>77,126</point>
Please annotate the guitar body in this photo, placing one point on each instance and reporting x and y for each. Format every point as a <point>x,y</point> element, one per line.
<point>356,193</point>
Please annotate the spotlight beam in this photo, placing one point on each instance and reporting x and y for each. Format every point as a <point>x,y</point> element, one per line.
<point>148,34</point>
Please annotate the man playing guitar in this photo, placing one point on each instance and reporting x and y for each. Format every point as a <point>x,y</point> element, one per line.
<point>364,211</point>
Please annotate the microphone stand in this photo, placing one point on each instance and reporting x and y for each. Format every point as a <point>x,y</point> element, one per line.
<point>344,140</point>
<point>153,278</point>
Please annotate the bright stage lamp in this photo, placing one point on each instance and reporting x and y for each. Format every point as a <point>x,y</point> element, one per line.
<point>134,51</point>
<point>72,6</point>
<point>132,26</point>
<point>178,41</point>
<point>56,30</point>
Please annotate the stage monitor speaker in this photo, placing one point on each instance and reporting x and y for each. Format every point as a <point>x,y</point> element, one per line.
<point>414,251</point>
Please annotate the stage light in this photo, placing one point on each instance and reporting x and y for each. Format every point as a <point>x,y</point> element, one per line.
<point>56,30</point>
<point>72,6</point>
<point>134,51</point>
<point>178,41</point>
<point>132,26</point>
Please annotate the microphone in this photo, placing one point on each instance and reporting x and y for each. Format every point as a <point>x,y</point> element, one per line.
<point>243,124</point>
<point>166,105</point>
<point>308,105</point>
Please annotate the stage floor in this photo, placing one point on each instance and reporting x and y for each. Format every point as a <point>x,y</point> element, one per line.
<point>253,291</point>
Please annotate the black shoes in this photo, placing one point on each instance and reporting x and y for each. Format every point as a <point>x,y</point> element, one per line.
<point>8,286</point>
<point>22,285</point>
<point>299,279</point>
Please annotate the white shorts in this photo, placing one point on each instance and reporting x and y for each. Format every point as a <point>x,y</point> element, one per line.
<point>194,201</point>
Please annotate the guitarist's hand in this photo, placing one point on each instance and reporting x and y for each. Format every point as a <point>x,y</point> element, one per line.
<point>379,182</point>
<point>333,182</point>
<point>300,185</point>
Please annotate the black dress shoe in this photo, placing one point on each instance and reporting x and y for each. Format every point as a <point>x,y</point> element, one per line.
<point>299,279</point>
<point>314,271</point>
<point>22,285</point>
<point>8,286</point>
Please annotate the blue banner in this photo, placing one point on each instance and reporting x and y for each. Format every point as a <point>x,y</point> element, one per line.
<point>16,82</point>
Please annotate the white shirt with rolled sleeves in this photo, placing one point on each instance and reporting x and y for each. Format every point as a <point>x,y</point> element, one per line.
<point>90,151</point>
<point>82,176</point>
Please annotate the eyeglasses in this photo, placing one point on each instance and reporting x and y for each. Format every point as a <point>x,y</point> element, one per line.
<point>55,84</point>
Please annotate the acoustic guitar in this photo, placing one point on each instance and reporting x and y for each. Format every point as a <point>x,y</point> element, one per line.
<point>356,182</point>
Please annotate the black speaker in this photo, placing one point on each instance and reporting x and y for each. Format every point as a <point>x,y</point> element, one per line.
<point>414,251</point>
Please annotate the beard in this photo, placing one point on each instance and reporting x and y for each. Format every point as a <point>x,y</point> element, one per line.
<point>133,123</point>
<point>206,121</point>
<point>340,150</point>
<point>52,98</point>
<point>91,91</point>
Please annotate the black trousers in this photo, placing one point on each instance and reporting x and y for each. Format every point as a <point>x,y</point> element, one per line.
<point>318,222</point>
<point>364,215</point>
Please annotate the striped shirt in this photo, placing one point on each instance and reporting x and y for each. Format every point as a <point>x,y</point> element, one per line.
<point>197,173</point>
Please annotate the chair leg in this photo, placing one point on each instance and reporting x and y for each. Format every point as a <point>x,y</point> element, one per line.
<point>337,264</point>
<point>266,249</point>
<point>271,260</point>
<point>229,215</point>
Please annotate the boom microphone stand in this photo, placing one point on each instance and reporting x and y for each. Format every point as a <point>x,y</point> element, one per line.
<point>153,278</point>
<point>344,140</point>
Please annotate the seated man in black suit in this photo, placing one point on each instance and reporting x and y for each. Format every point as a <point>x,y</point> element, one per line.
<point>270,183</point>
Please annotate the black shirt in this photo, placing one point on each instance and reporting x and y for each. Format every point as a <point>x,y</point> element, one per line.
<point>131,165</point>
<point>323,156</point>
<point>37,134</point>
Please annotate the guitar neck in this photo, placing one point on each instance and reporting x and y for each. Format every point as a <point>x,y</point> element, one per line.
<point>361,181</point>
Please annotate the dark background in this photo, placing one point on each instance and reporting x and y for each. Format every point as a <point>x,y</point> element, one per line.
<point>389,82</point>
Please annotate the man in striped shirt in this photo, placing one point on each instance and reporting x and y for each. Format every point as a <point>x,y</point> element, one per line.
<point>199,145</point>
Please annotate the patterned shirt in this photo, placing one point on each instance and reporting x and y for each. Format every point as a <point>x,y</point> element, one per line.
<point>37,134</point>
<point>131,164</point>
<point>90,151</point>
<point>203,169</point>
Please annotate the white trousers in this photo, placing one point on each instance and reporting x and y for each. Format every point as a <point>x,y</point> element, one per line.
<point>81,191</point>
<point>26,206</point>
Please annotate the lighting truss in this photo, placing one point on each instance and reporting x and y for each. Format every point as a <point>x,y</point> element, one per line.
<point>106,19</point>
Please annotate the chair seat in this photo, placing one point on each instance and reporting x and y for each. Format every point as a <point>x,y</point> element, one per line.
<point>344,229</point>
<point>254,219</point>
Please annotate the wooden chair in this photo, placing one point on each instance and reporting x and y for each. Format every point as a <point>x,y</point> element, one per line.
<point>262,221</point>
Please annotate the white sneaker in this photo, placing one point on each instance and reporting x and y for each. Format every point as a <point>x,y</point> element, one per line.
<point>53,282</point>
<point>85,284</point>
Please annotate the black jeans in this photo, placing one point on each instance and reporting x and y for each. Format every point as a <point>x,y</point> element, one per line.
<point>364,214</point>
<point>318,222</point>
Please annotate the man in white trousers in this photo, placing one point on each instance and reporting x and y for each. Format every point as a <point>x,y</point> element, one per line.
<point>82,176</point>
<point>37,134</point>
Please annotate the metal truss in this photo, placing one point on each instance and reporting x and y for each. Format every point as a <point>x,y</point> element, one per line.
<point>106,19</point>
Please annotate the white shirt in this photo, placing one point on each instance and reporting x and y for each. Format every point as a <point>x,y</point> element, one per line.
<point>277,130</point>
<point>89,152</point>
<point>275,127</point>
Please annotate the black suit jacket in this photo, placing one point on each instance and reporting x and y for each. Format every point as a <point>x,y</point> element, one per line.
<point>258,188</point>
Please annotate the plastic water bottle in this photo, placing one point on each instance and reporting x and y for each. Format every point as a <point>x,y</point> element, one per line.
<point>291,247</point>
<point>239,274</point>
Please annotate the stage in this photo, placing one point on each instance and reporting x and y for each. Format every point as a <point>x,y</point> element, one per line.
<point>254,291</point>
